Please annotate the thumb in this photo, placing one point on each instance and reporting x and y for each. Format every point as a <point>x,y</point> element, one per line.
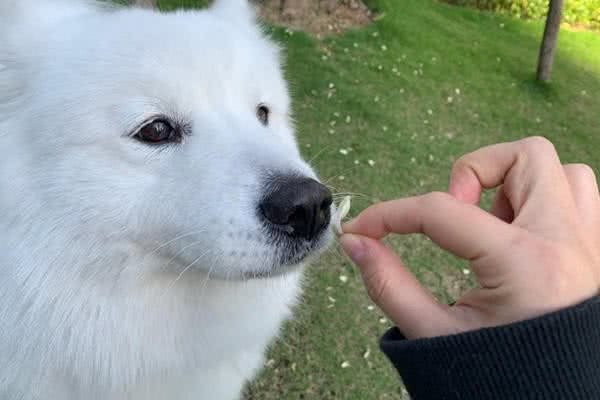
<point>395,289</point>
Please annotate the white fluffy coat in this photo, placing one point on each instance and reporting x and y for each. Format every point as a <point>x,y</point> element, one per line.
<point>122,266</point>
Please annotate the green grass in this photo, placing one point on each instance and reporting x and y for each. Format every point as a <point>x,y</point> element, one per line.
<point>400,117</point>
<point>168,5</point>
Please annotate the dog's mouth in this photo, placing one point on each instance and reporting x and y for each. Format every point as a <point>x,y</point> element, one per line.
<point>291,226</point>
<point>294,215</point>
<point>289,253</point>
<point>233,255</point>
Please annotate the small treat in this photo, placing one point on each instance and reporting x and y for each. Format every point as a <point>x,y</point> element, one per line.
<point>342,210</point>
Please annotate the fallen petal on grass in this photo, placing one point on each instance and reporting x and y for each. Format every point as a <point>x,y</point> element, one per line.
<point>367,353</point>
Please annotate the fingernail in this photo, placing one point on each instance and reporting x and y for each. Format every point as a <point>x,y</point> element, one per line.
<point>354,247</point>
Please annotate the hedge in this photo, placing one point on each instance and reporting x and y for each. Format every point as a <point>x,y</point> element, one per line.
<point>576,12</point>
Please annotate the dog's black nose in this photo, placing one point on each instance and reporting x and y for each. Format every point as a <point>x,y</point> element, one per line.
<point>299,206</point>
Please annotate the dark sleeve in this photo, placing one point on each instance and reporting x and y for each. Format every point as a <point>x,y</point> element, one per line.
<point>553,357</point>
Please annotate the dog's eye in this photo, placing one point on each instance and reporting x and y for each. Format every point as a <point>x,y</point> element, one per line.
<point>157,132</point>
<point>262,113</point>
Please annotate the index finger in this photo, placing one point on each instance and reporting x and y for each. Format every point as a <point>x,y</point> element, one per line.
<point>460,228</point>
<point>529,170</point>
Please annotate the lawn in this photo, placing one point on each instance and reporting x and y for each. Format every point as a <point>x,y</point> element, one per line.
<point>424,84</point>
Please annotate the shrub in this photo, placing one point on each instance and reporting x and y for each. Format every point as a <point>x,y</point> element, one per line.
<point>576,12</point>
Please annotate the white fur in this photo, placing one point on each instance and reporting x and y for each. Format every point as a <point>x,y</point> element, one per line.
<point>122,265</point>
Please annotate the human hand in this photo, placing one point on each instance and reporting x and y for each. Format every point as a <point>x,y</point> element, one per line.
<point>535,252</point>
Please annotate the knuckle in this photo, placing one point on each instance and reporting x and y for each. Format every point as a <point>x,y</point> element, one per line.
<point>436,198</point>
<point>582,171</point>
<point>376,287</point>
<point>538,144</point>
<point>462,164</point>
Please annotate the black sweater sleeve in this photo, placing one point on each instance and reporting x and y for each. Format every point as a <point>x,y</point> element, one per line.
<point>556,356</point>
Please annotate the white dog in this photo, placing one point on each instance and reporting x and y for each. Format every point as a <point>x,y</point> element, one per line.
<point>155,212</point>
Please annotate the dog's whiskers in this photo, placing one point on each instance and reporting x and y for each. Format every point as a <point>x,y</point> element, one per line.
<point>168,263</point>
<point>183,249</point>
<point>177,238</point>
<point>331,187</point>
<point>328,180</point>
<point>190,265</point>
<point>353,194</point>
<point>319,153</point>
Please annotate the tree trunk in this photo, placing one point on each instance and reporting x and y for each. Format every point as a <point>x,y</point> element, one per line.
<point>549,41</point>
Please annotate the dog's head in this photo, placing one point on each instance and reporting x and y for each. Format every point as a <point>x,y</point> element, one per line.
<point>169,131</point>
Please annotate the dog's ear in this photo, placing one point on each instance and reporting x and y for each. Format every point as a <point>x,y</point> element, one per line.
<point>28,17</point>
<point>22,24</point>
<point>236,11</point>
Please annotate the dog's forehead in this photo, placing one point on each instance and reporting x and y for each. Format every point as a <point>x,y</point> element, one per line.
<point>193,37</point>
<point>183,61</point>
<point>197,52</point>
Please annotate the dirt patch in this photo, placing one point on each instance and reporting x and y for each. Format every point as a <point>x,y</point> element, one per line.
<point>319,17</point>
